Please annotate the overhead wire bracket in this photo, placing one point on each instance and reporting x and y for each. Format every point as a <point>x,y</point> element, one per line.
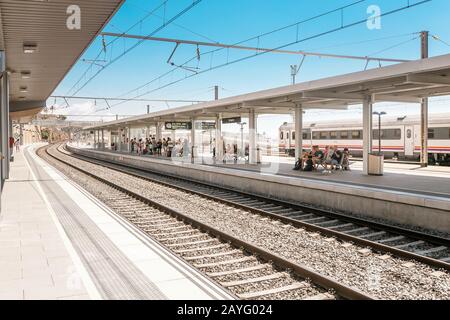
<point>173,52</point>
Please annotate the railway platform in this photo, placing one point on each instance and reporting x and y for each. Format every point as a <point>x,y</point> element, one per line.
<point>407,194</point>
<point>59,242</point>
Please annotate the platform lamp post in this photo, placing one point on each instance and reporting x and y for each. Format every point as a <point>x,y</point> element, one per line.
<point>379,114</point>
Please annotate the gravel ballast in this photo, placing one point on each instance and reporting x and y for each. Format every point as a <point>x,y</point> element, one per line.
<point>382,276</point>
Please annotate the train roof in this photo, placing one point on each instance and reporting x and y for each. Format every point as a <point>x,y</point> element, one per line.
<point>434,118</point>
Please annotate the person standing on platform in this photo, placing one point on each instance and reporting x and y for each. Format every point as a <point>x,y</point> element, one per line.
<point>17,143</point>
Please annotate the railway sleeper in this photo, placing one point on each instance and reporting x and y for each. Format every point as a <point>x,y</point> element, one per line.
<point>214,255</point>
<point>221,263</point>
<point>431,250</point>
<point>219,246</point>
<point>236,271</point>
<point>257,294</point>
<point>272,276</point>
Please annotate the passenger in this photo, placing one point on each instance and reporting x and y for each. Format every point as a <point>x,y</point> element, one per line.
<point>346,159</point>
<point>154,145</point>
<point>150,147</point>
<point>159,147</point>
<point>229,153</point>
<point>328,157</point>
<point>185,148</point>
<point>317,156</point>
<point>164,147</point>
<point>336,158</point>
<point>139,147</point>
<point>307,160</point>
<point>170,146</point>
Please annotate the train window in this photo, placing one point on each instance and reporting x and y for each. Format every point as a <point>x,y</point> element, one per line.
<point>281,135</point>
<point>343,135</point>
<point>315,135</point>
<point>333,135</point>
<point>306,134</point>
<point>439,133</point>
<point>376,134</point>
<point>287,135</point>
<point>324,135</point>
<point>356,134</point>
<point>389,134</point>
<point>293,135</point>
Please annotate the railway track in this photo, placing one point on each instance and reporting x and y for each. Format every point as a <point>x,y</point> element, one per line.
<point>249,272</point>
<point>408,244</point>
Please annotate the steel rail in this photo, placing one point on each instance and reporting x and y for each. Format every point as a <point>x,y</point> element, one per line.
<point>323,281</point>
<point>298,223</point>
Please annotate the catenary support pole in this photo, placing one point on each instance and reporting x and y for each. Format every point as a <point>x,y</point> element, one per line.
<point>424,109</point>
<point>252,137</point>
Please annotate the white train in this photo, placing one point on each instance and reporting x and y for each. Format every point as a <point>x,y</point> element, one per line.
<point>400,137</point>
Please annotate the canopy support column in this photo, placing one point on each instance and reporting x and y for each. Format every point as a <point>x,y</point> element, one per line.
<point>367,132</point>
<point>128,138</point>
<point>219,143</point>
<point>298,117</point>
<point>103,139</point>
<point>193,143</point>
<point>158,131</point>
<point>424,133</point>
<point>252,137</point>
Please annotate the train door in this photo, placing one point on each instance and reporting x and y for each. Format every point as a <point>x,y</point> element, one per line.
<point>409,141</point>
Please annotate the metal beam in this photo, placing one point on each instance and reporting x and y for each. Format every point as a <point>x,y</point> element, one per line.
<point>430,79</point>
<point>390,98</point>
<point>125,99</point>
<point>232,46</point>
<point>333,95</point>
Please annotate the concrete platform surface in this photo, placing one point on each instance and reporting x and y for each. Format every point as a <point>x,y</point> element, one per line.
<point>59,242</point>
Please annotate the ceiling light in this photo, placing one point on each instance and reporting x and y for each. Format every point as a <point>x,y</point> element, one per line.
<point>25,74</point>
<point>29,47</point>
<point>23,89</point>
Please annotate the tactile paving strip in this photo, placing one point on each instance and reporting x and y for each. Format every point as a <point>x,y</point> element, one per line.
<point>114,275</point>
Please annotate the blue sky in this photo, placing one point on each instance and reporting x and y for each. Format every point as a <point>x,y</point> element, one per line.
<point>231,21</point>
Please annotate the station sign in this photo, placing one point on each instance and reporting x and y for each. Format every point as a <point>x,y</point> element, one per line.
<point>205,126</point>
<point>181,125</point>
<point>231,120</point>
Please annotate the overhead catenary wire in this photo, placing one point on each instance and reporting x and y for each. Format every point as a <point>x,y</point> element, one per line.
<point>438,39</point>
<point>116,39</point>
<point>166,23</point>
<point>344,26</point>
<point>253,38</point>
<point>175,24</point>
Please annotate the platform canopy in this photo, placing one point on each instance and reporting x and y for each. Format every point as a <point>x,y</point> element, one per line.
<point>407,82</point>
<point>40,49</point>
